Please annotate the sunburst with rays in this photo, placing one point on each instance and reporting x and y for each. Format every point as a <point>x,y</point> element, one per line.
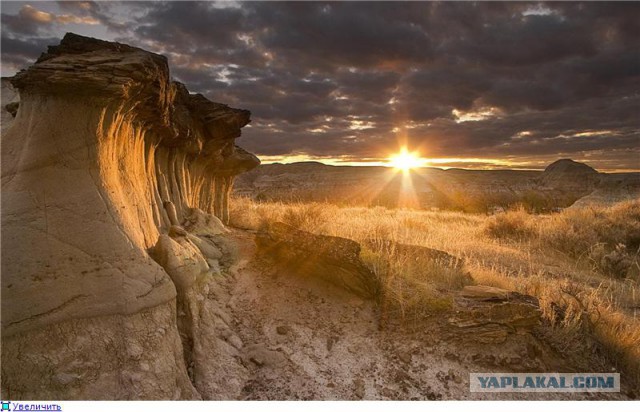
<point>405,160</point>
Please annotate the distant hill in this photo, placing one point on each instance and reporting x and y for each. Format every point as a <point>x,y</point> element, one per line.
<point>569,167</point>
<point>570,176</point>
<point>560,185</point>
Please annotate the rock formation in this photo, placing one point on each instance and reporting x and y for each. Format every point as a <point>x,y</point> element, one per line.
<point>571,177</point>
<point>333,259</point>
<point>491,314</point>
<point>106,160</point>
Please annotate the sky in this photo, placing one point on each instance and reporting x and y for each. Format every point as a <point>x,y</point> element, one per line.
<point>475,85</point>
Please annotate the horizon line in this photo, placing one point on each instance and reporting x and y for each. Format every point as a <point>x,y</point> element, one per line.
<point>481,164</point>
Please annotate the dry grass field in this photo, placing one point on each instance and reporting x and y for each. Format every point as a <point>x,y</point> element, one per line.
<point>581,264</point>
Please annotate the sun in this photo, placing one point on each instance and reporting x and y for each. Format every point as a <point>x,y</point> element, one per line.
<point>405,160</point>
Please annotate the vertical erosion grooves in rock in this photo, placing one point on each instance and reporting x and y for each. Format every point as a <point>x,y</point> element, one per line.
<point>190,261</point>
<point>101,140</point>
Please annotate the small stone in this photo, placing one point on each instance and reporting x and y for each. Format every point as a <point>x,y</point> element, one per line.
<point>452,356</point>
<point>65,378</point>
<point>261,356</point>
<point>358,388</point>
<point>401,376</point>
<point>134,350</point>
<point>177,231</point>
<point>214,266</point>
<point>454,377</point>
<point>405,357</point>
<point>331,340</point>
<point>283,330</point>
<point>12,108</point>
<point>388,393</point>
<point>235,341</point>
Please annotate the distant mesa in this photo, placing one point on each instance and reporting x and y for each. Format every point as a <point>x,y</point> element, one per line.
<point>568,175</point>
<point>569,167</point>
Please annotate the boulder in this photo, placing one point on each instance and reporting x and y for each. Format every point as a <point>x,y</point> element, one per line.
<point>181,259</point>
<point>333,259</point>
<point>207,248</point>
<point>200,223</point>
<point>491,314</point>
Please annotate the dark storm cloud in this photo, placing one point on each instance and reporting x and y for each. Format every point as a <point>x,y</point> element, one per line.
<point>181,24</point>
<point>24,49</point>
<point>100,11</point>
<point>20,52</point>
<point>28,21</point>
<point>487,79</point>
<point>330,35</point>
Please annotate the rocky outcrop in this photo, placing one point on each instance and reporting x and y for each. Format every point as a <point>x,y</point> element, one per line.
<point>333,259</point>
<point>106,159</point>
<point>127,91</point>
<point>570,176</point>
<point>491,314</point>
<point>568,168</point>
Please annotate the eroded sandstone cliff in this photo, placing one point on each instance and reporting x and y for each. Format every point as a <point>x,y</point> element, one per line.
<point>105,162</point>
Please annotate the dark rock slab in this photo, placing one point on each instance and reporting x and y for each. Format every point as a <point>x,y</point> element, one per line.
<point>333,259</point>
<point>490,314</point>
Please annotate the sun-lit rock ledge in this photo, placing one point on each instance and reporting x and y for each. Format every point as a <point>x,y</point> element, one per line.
<point>105,155</point>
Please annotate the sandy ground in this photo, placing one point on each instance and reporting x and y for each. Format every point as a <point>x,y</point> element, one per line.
<point>305,339</point>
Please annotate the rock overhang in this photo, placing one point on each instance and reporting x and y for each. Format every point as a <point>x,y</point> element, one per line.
<point>111,72</point>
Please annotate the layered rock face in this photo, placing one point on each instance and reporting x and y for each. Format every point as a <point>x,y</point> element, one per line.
<point>491,314</point>
<point>104,155</point>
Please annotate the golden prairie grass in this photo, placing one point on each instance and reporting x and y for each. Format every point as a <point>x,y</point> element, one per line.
<point>581,264</point>
<point>608,239</point>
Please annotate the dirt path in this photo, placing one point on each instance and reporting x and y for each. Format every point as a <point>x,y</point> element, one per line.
<point>304,339</point>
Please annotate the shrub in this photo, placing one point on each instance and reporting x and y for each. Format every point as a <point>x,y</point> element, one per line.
<point>310,217</point>
<point>409,286</point>
<point>609,238</point>
<point>513,224</point>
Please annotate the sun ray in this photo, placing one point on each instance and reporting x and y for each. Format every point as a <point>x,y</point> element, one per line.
<point>405,160</point>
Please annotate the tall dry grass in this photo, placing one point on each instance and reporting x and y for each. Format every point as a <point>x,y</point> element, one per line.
<point>608,239</point>
<point>581,264</point>
<point>409,287</point>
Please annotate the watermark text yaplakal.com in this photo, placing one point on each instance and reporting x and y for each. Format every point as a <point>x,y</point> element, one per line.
<point>544,382</point>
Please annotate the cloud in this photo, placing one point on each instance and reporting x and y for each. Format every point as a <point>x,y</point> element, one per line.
<point>103,13</point>
<point>30,20</point>
<point>355,78</point>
